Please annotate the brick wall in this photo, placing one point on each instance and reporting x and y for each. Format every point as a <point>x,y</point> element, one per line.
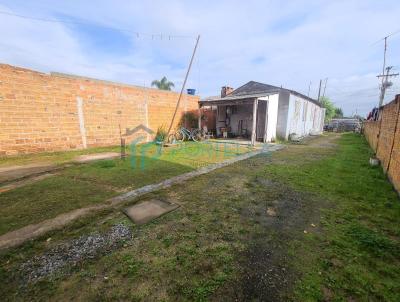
<point>384,138</point>
<point>52,112</point>
<point>371,131</point>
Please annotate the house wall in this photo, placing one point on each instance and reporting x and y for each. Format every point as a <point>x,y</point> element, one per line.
<point>304,117</point>
<point>283,109</point>
<point>55,112</point>
<point>272,120</point>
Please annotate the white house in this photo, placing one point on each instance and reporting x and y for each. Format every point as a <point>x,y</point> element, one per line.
<point>262,112</point>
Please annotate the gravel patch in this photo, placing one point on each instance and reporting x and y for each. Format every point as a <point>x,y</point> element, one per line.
<point>73,252</point>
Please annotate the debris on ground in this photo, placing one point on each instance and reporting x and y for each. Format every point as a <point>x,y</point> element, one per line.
<point>73,252</point>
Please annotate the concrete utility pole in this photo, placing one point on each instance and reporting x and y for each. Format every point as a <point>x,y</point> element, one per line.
<point>184,84</point>
<point>319,91</point>
<point>385,81</point>
<point>326,82</point>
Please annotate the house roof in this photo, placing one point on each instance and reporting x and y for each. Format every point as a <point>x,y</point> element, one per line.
<point>254,89</point>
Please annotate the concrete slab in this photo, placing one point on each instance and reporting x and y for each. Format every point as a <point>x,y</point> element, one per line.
<point>148,210</point>
<point>24,182</point>
<point>96,156</point>
<point>11,173</point>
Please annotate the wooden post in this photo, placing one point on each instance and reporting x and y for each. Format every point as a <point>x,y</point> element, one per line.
<point>254,129</point>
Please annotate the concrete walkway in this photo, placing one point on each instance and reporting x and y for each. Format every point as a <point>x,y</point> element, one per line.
<point>17,237</point>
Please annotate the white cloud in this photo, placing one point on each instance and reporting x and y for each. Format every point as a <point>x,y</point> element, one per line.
<point>289,43</point>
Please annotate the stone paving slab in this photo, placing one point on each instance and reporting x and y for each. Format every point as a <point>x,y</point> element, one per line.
<point>148,210</point>
<point>96,156</point>
<point>11,173</point>
<point>24,182</point>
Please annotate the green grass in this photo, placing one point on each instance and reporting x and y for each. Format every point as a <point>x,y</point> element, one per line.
<point>86,184</point>
<point>199,251</point>
<point>357,256</point>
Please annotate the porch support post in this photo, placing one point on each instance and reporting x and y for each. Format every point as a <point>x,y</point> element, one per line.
<point>199,120</point>
<point>254,128</point>
<point>266,121</point>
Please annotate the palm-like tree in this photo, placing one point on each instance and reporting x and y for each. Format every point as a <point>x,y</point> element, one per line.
<point>164,84</point>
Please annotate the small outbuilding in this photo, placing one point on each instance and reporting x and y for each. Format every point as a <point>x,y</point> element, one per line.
<point>262,112</point>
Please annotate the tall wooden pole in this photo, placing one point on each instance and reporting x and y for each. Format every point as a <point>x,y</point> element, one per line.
<point>184,84</point>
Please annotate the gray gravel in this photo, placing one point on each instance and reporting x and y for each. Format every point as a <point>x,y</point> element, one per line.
<point>73,252</point>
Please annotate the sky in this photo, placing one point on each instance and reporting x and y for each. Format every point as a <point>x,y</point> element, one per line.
<point>288,43</point>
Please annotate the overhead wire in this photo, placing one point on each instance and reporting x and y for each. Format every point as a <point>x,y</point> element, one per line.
<point>87,22</point>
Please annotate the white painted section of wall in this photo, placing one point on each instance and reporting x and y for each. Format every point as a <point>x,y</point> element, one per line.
<point>304,117</point>
<point>79,103</point>
<point>272,119</point>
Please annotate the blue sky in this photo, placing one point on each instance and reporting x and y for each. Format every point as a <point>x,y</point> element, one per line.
<point>276,42</point>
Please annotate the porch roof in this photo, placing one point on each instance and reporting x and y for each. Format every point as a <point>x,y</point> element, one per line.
<point>234,99</point>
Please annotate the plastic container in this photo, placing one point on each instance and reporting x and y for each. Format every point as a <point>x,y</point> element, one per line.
<point>191,91</point>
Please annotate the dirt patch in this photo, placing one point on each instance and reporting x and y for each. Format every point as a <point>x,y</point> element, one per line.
<point>281,215</point>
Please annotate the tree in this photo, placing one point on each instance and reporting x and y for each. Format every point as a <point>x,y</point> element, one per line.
<point>164,84</point>
<point>338,112</point>
<point>330,108</point>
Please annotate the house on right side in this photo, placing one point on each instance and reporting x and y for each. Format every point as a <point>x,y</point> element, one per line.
<point>262,112</point>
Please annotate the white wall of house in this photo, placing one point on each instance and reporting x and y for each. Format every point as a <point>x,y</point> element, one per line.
<point>272,118</point>
<point>304,117</point>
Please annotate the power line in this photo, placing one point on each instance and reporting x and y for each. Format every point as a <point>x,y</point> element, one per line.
<point>86,22</point>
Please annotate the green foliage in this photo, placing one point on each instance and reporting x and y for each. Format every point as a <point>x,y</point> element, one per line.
<point>372,241</point>
<point>163,84</point>
<point>338,112</point>
<point>189,120</point>
<point>330,108</point>
<point>161,134</point>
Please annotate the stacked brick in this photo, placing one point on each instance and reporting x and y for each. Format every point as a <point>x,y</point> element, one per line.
<point>39,112</point>
<point>384,138</point>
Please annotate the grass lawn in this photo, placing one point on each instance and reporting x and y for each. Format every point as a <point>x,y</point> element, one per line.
<point>85,184</point>
<point>357,256</point>
<point>313,222</point>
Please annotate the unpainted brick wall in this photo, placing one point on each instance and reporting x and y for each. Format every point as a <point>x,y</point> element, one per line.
<point>384,138</point>
<point>39,112</point>
<point>371,132</point>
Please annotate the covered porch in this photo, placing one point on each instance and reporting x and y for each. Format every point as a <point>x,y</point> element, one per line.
<point>246,120</point>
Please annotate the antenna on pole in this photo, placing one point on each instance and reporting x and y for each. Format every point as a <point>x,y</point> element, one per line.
<point>385,82</point>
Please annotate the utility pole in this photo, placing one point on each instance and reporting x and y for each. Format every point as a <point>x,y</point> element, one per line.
<point>319,91</point>
<point>385,80</point>
<point>326,81</point>
<point>184,84</point>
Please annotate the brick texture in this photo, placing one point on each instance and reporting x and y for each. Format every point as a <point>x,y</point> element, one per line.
<point>384,138</point>
<point>39,112</point>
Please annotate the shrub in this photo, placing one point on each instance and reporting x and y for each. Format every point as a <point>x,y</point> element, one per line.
<point>161,135</point>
